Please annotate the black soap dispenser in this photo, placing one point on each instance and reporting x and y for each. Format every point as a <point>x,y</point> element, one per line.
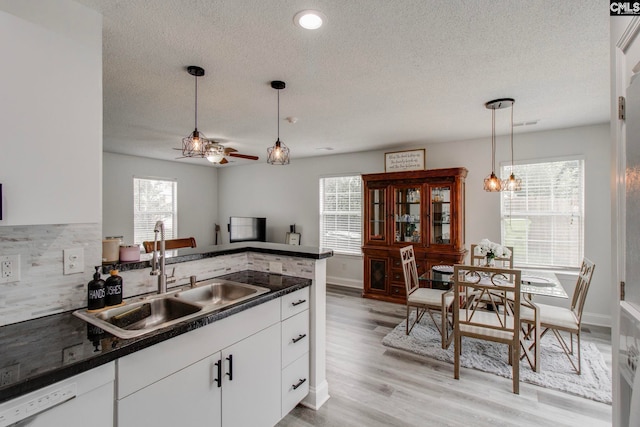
<point>113,288</point>
<point>96,292</point>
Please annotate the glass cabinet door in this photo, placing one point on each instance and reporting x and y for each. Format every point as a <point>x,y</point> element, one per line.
<point>377,214</point>
<point>406,214</point>
<point>440,214</point>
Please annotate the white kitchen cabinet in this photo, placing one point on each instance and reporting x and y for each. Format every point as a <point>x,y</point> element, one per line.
<point>188,397</point>
<point>251,394</point>
<point>166,385</point>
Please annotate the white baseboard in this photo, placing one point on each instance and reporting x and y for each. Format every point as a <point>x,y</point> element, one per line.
<point>341,281</point>
<point>317,396</point>
<point>596,319</point>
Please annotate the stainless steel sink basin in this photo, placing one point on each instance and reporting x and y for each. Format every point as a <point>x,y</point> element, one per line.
<point>215,293</point>
<point>139,318</point>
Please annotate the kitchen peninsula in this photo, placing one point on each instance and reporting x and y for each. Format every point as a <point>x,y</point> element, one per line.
<point>52,349</point>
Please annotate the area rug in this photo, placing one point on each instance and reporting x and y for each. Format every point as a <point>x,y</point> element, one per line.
<point>555,372</point>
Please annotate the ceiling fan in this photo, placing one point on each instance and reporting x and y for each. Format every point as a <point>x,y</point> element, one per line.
<point>218,153</point>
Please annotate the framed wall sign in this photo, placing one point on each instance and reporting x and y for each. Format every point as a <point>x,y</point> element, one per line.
<point>408,160</point>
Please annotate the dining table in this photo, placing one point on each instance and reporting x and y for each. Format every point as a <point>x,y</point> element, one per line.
<point>532,283</point>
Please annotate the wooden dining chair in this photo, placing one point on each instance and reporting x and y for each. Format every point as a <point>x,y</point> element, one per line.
<point>563,319</point>
<point>473,286</point>
<point>187,242</point>
<point>426,300</point>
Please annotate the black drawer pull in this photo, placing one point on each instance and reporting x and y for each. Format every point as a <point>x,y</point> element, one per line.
<point>295,340</point>
<point>300,301</point>
<point>300,382</point>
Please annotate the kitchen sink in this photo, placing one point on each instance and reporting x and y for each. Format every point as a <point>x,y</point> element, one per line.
<point>152,313</point>
<point>215,293</point>
<point>139,318</point>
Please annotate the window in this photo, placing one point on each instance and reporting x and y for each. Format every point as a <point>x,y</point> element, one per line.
<point>154,200</point>
<point>341,214</point>
<point>544,221</point>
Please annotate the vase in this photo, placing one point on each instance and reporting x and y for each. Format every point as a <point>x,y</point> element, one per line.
<point>491,261</point>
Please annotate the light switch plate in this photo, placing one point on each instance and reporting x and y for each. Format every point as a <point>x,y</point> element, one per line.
<point>73,260</point>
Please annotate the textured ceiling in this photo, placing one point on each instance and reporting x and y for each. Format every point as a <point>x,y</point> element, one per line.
<point>379,74</point>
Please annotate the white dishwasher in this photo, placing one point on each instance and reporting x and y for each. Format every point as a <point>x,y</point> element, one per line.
<point>84,399</point>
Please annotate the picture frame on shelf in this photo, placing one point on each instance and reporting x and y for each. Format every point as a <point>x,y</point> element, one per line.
<point>292,238</point>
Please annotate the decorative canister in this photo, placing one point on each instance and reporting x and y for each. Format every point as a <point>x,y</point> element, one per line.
<point>129,253</point>
<point>110,250</point>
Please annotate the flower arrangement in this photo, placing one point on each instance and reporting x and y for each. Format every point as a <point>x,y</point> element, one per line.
<point>491,250</point>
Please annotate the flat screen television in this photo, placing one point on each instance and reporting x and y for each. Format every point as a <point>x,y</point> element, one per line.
<point>246,229</point>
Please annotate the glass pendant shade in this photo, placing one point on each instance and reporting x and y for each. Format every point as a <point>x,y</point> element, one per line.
<point>279,153</point>
<point>512,183</point>
<point>492,183</point>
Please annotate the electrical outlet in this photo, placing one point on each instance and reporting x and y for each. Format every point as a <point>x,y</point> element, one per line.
<point>9,374</point>
<point>9,268</point>
<point>72,354</point>
<point>73,260</point>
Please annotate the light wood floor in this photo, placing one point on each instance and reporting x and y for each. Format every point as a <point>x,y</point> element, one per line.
<point>371,385</point>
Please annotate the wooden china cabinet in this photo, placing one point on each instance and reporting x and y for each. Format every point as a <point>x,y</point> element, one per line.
<point>420,208</point>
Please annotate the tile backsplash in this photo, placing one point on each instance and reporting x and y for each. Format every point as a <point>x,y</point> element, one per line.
<point>43,288</point>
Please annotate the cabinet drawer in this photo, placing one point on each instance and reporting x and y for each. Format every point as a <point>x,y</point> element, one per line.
<point>295,383</point>
<point>397,275</point>
<point>398,291</point>
<point>295,337</point>
<point>295,303</point>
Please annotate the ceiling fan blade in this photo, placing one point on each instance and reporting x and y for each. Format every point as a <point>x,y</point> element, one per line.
<point>228,150</point>
<point>223,161</point>
<point>244,156</point>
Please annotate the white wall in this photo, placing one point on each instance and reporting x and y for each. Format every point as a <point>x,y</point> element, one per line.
<point>51,151</point>
<point>51,114</point>
<point>289,194</point>
<point>197,195</point>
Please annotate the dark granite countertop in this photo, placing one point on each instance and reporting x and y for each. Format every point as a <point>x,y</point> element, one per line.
<point>191,254</point>
<point>52,348</point>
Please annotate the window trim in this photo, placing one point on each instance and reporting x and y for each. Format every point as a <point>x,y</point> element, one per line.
<point>503,217</point>
<point>320,209</point>
<point>175,202</point>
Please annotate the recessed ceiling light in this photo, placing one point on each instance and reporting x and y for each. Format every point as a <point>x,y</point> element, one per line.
<point>309,19</point>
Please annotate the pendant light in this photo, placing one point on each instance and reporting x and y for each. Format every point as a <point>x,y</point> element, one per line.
<point>195,144</point>
<point>512,183</point>
<point>492,183</point>
<point>279,153</point>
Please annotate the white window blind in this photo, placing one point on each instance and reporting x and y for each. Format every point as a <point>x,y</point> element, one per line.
<point>544,222</point>
<point>154,200</point>
<point>341,214</point>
